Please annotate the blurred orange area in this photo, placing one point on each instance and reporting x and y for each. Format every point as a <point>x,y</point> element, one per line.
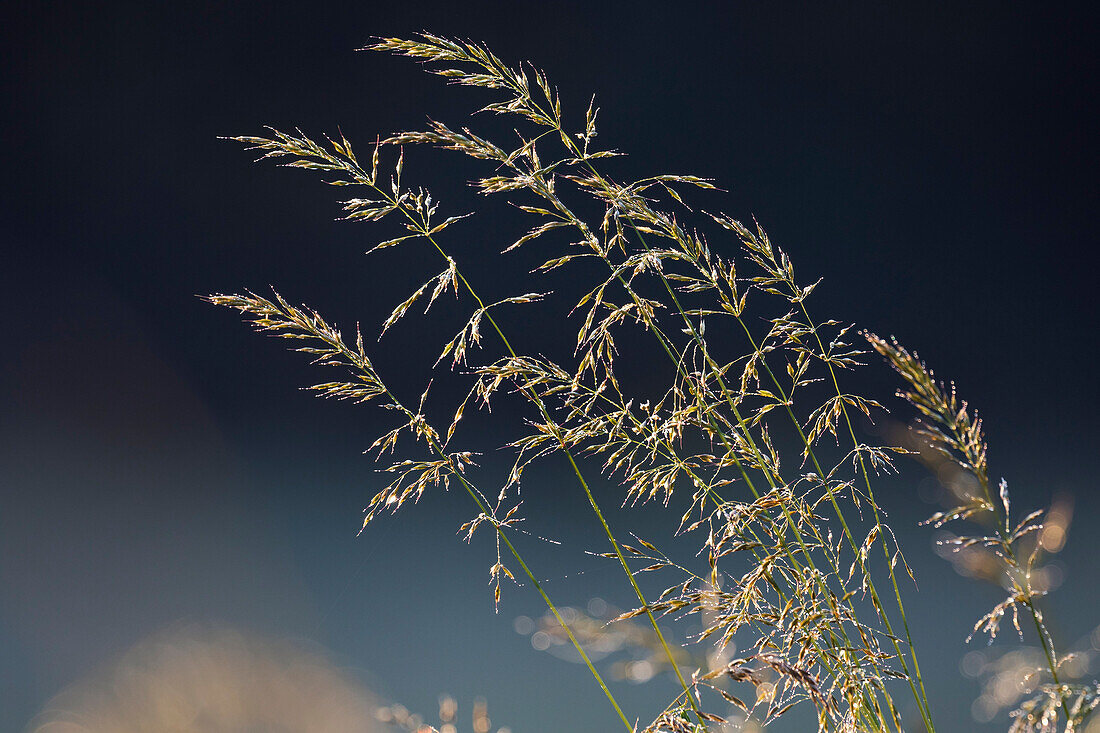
<point>212,681</point>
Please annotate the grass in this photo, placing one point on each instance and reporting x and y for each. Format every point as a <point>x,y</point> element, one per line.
<point>750,444</point>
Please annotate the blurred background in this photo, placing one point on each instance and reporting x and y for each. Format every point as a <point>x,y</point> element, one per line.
<point>162,478</point>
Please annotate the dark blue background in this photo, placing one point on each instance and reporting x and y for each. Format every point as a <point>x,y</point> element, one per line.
<point>935,164</point>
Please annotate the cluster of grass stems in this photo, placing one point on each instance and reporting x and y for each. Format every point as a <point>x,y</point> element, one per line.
<point>802,576</point>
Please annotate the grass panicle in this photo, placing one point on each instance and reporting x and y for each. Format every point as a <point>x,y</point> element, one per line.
<point>748,440</point>
<point>950,428</point>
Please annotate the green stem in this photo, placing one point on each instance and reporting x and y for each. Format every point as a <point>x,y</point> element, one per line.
<point>878,522</point>
<point>537,401</point>
<point>762,464</point>
<point>741,424</point>
<point>921,703</point>
<point>1044,636</point>
<point>718,501</point>
<point>477,498</point>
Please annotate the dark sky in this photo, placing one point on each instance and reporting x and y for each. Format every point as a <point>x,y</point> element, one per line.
<point>934,164</point>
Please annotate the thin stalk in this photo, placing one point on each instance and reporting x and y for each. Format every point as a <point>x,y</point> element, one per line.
<point>716,429</point>
<point>921,703</point>
<point>696,336</point>
<point>549,604</point>
<point>546,599</point>
<point>537,401</point>
<point>354,359</point>
<point>874,508</point>
<point>741,423</point>
<point>670,453</point>
<point>541,189</point>
<point>546,194</point>
<point>740,420</point>
<point>1045,639</point>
